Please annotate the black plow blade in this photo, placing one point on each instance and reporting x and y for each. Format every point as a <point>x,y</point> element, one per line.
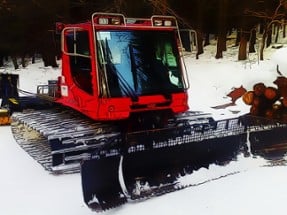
<point>267,138</point>
<point>269,144</point>
<point>158,171</point>
<point>100,183</point>
<point>154,162</point>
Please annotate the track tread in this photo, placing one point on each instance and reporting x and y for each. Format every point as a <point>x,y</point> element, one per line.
<point>34,129</point>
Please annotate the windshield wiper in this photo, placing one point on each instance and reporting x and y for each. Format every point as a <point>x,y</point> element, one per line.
<point>123,84</point>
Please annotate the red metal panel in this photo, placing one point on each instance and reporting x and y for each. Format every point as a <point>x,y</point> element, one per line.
<point>113,108</point>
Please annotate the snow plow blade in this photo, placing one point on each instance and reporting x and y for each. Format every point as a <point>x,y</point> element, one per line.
<point>267,138</point>
<point>102,191</point>
<point>154,161</point>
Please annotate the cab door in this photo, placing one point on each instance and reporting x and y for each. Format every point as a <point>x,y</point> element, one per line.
<point>77,49</point>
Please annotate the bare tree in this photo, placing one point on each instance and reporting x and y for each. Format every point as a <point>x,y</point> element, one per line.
<point>242,52</point>
<point>222,29</point>
<point>284,28</point>
<point>162,7</point>
<point>119,6</point>
<point>252,41</point>
<point>269,18</point>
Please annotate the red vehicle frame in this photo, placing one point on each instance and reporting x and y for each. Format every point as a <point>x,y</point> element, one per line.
<point>84,93</point>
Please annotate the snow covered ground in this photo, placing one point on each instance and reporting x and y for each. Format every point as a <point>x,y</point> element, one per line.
<point>26,189</point>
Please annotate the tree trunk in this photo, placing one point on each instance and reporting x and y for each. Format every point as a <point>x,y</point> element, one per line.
<point>261,28</point>
<point>222,28</point>
<point>199,44</point>
<point>23,61</point>
<point>15,63</point>
<point>284,30</point>
<point>238,37</point>
<point>221,46</point>
<point>277,33</point>
<point>1,61</point>
<point>33,58</point>
<point>242,54</point>
<point>269,38</point>
<point>49,60</point>
<point>206,40</point>
<point>262,46</point>
<point>252,41</point>
<point>199,23</point>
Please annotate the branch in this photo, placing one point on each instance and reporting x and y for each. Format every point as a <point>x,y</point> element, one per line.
<point>258,14</point>
<point>264,15</point>
<point>276,12</point>
<point>164,8</point>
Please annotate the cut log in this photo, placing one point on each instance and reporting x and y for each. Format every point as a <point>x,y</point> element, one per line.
<point>248,97</point>
<point>281,83</point>
<point>271,93</point>
<point>259,89</point>
<point>284,102</point>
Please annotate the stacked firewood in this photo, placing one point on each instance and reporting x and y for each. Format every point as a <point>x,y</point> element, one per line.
<point>268,101</point>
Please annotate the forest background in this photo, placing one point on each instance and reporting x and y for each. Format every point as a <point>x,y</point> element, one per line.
<point>28,27</point>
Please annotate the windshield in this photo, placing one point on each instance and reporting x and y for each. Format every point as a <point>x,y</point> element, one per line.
<point>134,63</point>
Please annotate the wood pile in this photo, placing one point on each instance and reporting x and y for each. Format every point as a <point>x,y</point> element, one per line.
<point>268,101</point>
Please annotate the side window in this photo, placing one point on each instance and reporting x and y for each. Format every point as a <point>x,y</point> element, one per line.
<point>165,53</point>
<point>77,47</point>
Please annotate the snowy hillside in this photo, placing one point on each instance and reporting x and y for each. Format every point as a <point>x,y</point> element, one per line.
<point>26,189</point>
